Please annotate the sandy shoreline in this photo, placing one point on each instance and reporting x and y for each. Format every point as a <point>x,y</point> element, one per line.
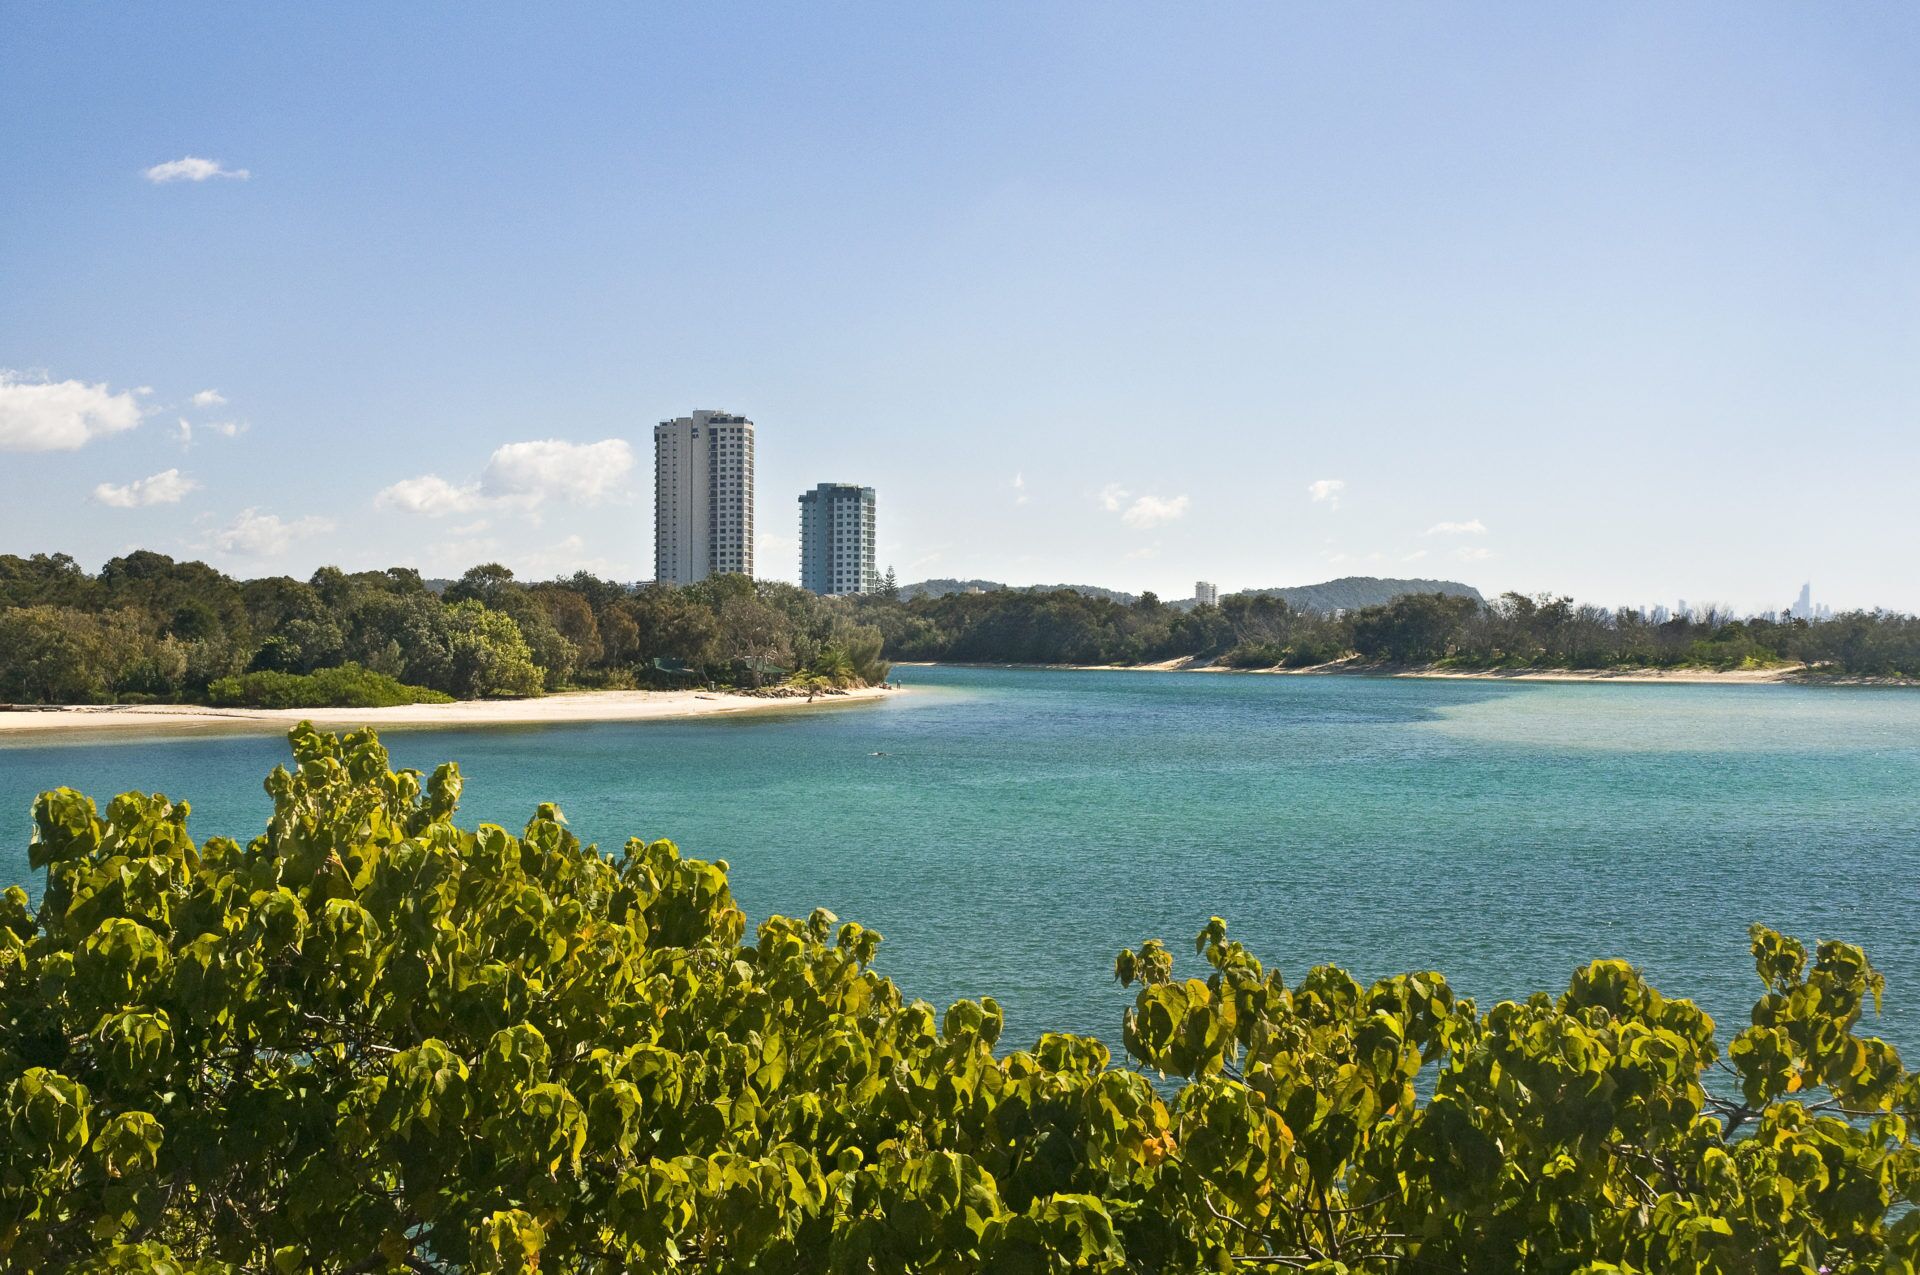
<point>574,706</point>
<point>1785,675</point>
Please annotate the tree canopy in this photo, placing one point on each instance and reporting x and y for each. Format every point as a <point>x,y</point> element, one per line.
<point>372,1040</point>
<point>149,628</point>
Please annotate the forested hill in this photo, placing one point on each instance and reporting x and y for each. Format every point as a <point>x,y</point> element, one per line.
<point>1350,593</point>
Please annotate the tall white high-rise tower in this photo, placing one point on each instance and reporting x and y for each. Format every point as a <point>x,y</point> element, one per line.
<point>702,497</point>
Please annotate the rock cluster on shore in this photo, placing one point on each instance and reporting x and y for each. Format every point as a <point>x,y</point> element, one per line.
<point>785,691</point>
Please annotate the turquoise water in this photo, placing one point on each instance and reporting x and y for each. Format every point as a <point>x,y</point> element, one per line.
<point>1022,825</point>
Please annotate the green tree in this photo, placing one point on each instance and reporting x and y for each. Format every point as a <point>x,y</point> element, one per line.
<point>571,616</point>
<point>487,657</point>
<point>46,579</point>
<point>52,655</point>
<point>489,583</point>
<point>671,624</point>
<point>61,655</point>
<point>1416,628</point>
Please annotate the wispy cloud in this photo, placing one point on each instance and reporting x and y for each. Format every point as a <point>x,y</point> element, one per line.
<point>1472,553</point>
<point>168,487</point>
<point>184,431</point>
<point>258,535</point>
<point>1019,488</point>
<point>1472,527</point>
<point>192,169</point>
<point>1327,491</point>
<point>1113,498</point>
<point>773,551</point>
<point>1152,511</point>
<point>61,416</point>
<point>209,398</point>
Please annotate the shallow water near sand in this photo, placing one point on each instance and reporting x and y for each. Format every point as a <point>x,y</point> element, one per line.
<point>1008,830</point>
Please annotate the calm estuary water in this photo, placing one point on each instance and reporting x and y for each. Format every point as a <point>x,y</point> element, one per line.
<point>1017,827</point>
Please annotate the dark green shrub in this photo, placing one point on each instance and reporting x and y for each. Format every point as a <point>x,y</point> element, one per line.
<point>344,686</point>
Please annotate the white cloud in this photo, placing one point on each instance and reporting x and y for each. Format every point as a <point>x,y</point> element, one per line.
<point>1327,491</point>
<point>583,473</point>
<point>1473,527</point>
<point>259,535</point>
<point>60,416</point>
<point>1020,489</point>
<point>1113,498</point>
<point>192,169</point>
<point>431,495</point>
<point>209,398</point>
<point>521,475</point>
<point>168,487</point>
<point>1472,553</point>
<point>1415,556</point>
<point>1151,511</point>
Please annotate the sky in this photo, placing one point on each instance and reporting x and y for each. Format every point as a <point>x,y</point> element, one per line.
<point>1620,301</point>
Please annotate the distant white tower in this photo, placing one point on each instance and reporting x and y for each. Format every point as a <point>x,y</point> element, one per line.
<point>1802,608</point>
<point>702,497</point>
<point>1206,593</point>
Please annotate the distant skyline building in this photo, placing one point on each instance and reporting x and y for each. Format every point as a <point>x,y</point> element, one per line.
<point>702,497</point>
<point>1206,593</point>
<point>836,540</point>
<point>1803,607</point>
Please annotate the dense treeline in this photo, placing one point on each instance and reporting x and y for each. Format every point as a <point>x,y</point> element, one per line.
<point>373,1041</point>
<point>149,628</point>
<point>1265,631</point>
<point>1514,631</point>
<point>1014,626</point>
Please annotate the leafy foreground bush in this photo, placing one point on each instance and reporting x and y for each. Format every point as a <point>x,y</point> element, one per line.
<point>371,1041</point>
<point>346,686</point>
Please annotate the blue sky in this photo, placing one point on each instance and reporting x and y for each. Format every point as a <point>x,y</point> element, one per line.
<point>1616,300</point>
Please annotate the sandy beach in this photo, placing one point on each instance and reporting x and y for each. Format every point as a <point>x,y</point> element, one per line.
<point>574,706</point>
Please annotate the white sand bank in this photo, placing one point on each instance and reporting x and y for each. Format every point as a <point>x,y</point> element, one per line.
<point>576,706</point>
